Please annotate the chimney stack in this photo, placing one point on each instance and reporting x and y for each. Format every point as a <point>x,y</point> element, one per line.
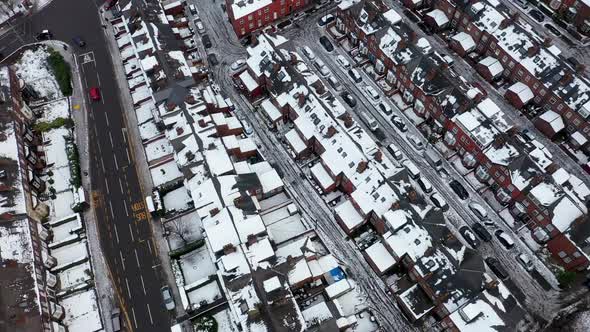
<point>301,99</point>
<point>533,50</point>
<point>331,131</point>
<point>362,166</point>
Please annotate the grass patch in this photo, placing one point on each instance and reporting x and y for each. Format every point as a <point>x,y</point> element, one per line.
<point>56,123</point>
<point>62,71</point>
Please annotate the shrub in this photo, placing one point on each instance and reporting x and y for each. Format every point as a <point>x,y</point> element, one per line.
<point>74,163</point>
<point>205,324</point>
<point>56,123</point>
<point>566,278</point>
<point>61,70</point>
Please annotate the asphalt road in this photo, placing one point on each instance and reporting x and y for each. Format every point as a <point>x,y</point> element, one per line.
<point>123,222</point>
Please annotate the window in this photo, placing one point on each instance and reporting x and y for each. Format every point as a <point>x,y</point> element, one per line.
<point>266,18</point>
<point>525,203</point>
<point>511,188</point>
<point>266,10</point>
<point>576,122</point>
<point>550,228</point>
<point>242,21</point>
<point>536,86</point>
<point>535,213</point>
<point>568,115</point>
<point>504,58</point>
<point>561,254</point>
<point>527,78</point>
<point>567,260</point>
<point>519,72</point>
<point>542,92</point>
<point>552,100</point>
<point>577,254</point>
<point>560,107</point>
<point>251,26</point>
<point>250,17</point>
<point>540,217</point>
<point>502,178</point>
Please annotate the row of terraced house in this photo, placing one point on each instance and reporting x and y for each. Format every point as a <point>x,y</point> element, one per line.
<point>520,172</point>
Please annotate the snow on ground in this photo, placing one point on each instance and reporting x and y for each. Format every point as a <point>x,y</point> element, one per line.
<point>224,322</point>
<point>286,229</point>
<point>57,109</point>
<point>165,173</point>
<point>81,312</point>
<point>10,8</point>
<point>61,206</point>
<point>177,200</point>
<point>70,253</point>
<point>580,323</point>
<point>65,229</point>
<point>158,149</point>
<point>209,293</point>
<point>148,130</point>
<point>197,265</point>
<point>32,67</point>
<point>192,227</point>
<point>74,276</point>
<point>15,242</point>
<point>364,324</point>
<point>352,302</point>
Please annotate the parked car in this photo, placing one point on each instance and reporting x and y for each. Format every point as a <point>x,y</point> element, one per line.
<point>79,41</point>
<point>44,35</point>
<point>116,320</point>
<point>212,58</point>
<point>385,108</point>
<point>482,232</point>
<point>168,299</point>
<point>342,61</point>
<point>326,43</point>
<point>504,239</point>
<point>537,15</point>
<point>200,27</point>
<point>425,185</point>
<point>354,74</point>
<point>413,171</point>
<point>335,83</point>
<point>497,268</point>
<point>525,261</point>
<point>206,41</point>
<point>308,52</point>
<point>110,4</point>
<point>247,128</point>
<point>552,29</point>
<point>324,20</point>
<point>399,123</point>
<point>370,121</point>
<point>459,189</point>
<point>193,9</point>
<point>372,93</point>
<point>94,94</point>
<point>478,210</point>
<point>439,202</point>
<point>416,142</point>
<point>469,237</point>
<point>348,98</point>
<point>238,64</point>
<point>395,152</point>
<point>523,4</point>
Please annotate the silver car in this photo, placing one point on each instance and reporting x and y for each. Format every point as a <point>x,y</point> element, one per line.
<point>168,299</point>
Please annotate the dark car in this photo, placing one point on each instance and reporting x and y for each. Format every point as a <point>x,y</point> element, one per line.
<point>425,28</point>
<point>206,41</point>
<point>326,43</point>
<point>469,236</point>
<point>482,232</point>
<point>537,15</point>
<point>399,123</point>
<point>497,268</point>
<point>411,16</point>
<point>348,98</point>
<point>79,41</point>
<point>459,189</point>
<point>212,59</point>
<point>44,35</point>
<point>553,29</point>
<point>325,20</point>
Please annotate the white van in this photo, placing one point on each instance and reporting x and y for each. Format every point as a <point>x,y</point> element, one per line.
<point>371,122</point>
<point>413,171</point>
<point>433,159</point>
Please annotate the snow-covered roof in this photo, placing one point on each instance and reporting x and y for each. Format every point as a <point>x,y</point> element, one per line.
<point>493,65</point>
<point>249,82</point>
<point>12,201</point>
<point>411,239</point>
<point>502,155</point>
<point>465,40</point>
<point>300,272</point>
<point>322,176</point>
<point>348,214</point>
<point>272,284</point>
<point>554,120</point>
<point>241,8</point>
<point>270,181</point>
<point>439,17</point>
<point>523,92</point>
<point>252,225</point>
<point>338,288</point>
<point>381,258</point>
<point>270,110</point>
<point>392,16</point>
<point>220,231</point>
<point>295,141</point>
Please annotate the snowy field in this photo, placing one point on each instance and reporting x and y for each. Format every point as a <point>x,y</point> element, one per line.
<point>165,173</point>
<point>82,312</point>
<point>209,293</point>
<point>74,276</point>
<point>34,70</point>
<point>177,200</point>
<point>15,242</point>
<point>224,322</point>
<point>148,130</point>
<point>158,149</point>
<point>197,265</point>
<point>57,109</point>
<point>70,253</point>
<point>192,227</point>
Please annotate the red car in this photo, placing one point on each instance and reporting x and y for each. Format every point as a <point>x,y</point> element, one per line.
<point>95,94</point>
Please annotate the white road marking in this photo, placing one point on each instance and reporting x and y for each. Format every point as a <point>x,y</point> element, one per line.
<point>150,314</point>
<point>106,115</point>
<point>112,213</point>
<point>98,78</point>
<point>111,139</point>
<point>122,260</point>
<point>116,232</point>
<point>121,186</point>
<point>124,132</point>
<point>149,245</point>
<point>126,209</point>
<point>115,159</point>
<point>107,185</point>
<point>142,284</point>
<point>137,258</point>
<point>128,288</point>
<point>127,152</point>
<point>134,319</point>
<point>131,232</point>
<point>102,164</point>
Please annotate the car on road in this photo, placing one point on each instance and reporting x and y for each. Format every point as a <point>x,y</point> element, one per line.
<point>527,135</point>
<point>469,237</point>
<point>116,320</point>
<point>342,61</point>
<point>238,64</point>
<point>247,128</point>
<point>372,93</point>
<point>348,98</point>
<point>395,152</point>
<point>321,66</point>
<point>334,82</point>
<point>399,123</point>
<point>416,142</point>
<point>482,232</point>
<point>308,52</point>
<point>525,261</point>
<point>212,58</point>
<point>200,27</point>
<point>522,3</point>
<point>537,15</point>
<point>459,189</point>
<point>552,29</point>
<point>385,108</point>
<point>94,94</point>
<point>193,9</point>
<point>497,268</point>
<point>504,239</point>
<point>354,74</point>
<point>44,35</point>
<point>411,16</point>
<point>324,20</point>
<point>326,43</point>
<point>79,41</point>
<point>439,202</point>
<point>168,299</point>
<point>425,185</point>
<point>206,41</point>
<point>370,121</point>
<point>478,210</point>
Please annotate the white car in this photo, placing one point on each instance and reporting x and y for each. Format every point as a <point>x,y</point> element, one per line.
<point>308,52</point>
<point>200,27</point>
<point>525,261</point>
<point>439,202</point>
<point>478,210</point>
<point>416,142</point>
<point>342,61</point>
<point>372,93</point>
<point>238,64</point>
<point>247,128</point>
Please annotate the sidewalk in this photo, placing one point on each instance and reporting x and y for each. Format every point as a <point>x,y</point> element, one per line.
<point>139,159</point>
<point>78,110</point>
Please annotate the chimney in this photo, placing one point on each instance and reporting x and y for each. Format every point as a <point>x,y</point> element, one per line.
<point>505,23</point>
<point>228,249</point>
<point>566,78</point>
<point>580,68</point>
<point>362,166</point>
<point>331,131</point>
<point>293,58</point>
<point>533,50</point>
<point>276,67</point>
<point>498,141</point>
<point>252,239</point>
<point>379,156</point>
<point>491,284</point>
<point>201,123</point>
<point>300,99</point>
<point>319,87</point>
<point>348,122</point>
<point>170,106</point>
<point>413,37</point>
<point>190,99</point>
<point>402,44</point>
<point>547,42</point>
<point>213,212</point>
<point>179,131</point>
<point>537,179</point>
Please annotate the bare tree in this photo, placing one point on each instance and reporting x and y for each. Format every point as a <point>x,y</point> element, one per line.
<point>180,228</point>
